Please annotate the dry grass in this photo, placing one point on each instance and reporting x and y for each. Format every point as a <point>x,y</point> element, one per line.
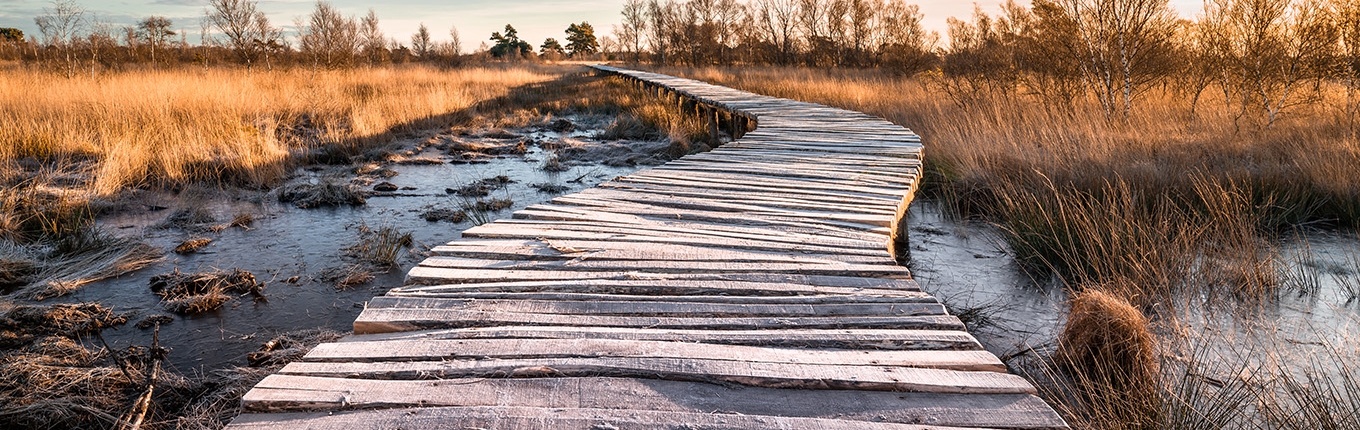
<point>50,376</point>
<point>1103,328</point>
<point>380,247</point>
<point>151,127</point>
<point>50,244</point>
<point>191,293</point>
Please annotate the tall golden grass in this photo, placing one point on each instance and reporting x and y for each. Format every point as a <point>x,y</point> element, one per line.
<point>172,126</point>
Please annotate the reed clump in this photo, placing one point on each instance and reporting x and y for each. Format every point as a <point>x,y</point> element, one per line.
<point>326,193</point>
<point>380,247</point>
<point>51,376</point>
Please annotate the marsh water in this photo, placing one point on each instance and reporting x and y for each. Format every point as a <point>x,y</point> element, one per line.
<point>292,249</point>
<point>967,265</point>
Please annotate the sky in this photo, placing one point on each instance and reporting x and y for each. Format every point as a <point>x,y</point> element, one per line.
<point>534,19</point>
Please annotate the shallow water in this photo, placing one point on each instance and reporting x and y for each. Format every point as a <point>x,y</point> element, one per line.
<point>967,266</point>
<point>285,241</point>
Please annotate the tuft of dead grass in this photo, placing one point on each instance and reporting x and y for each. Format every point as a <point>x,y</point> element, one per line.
<point>350,276</point>
<point>48,379</point>
<point>190,293</point>
<point>1108,339</point>
<point>381,246</point>
<point>192,245</point>
<point>323,194</point>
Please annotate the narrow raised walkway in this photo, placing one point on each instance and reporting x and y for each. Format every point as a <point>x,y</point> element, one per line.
<point>754,286</point>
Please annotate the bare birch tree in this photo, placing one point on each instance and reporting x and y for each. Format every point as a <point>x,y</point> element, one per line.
<point>60,26</point>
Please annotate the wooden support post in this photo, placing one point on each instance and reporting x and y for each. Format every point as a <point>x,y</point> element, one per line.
<point>713,138</point>
<point>730,123</point>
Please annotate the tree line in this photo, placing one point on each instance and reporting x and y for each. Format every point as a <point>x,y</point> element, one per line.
<point>1260,56</point>
<point>72,41</point>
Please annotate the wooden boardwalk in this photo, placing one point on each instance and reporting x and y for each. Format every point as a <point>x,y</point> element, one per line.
<point>754,286</point>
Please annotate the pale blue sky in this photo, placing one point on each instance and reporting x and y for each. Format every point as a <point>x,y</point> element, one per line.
<point>535,19</point>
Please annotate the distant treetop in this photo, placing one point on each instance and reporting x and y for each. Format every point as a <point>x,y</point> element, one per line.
<point>11,34</point>
<point>581,39</point>
<point>509,43</point>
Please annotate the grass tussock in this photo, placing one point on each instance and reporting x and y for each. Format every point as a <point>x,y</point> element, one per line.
<point>190,293</point>
<point>326,193</point>
<point>48,379</point>
<point>1111,346</point>
<point>148,127</point>
<point>381,247</point>
<point>192,245</point>
<point>349,276</point>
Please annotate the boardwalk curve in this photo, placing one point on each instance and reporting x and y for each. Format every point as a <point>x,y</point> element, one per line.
<point>753,286</point>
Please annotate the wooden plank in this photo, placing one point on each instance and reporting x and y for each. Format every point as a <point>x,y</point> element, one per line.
<point>802,201</point>
<point>300,393</point>
<point>383,320</point>
<point>668,266</point>
<point>902,289</point>
<point>544,232</point>
<point>433,276</point>
<point>632,251</point>
<point>780,179</point>
<point>755,374</point>
<point>518,417</point>
<point>436,350</point>
<point>659,308</point>
<point>873,339</point>
<point>870,195</point>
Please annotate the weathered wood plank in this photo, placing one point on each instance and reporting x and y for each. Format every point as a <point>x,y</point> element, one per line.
<point>383,320</point>
<point>586,264</point>
<point>300,393</point>
<point>504,231</point>
<point>895,288</point>
<point>518,417</point>
<point>691,229</point>
<point>432,276</point>
<point>870,339</point>
<point>604,197</point>
<point>435,350</point>
<point>659,308</point>
<point>755,374</point>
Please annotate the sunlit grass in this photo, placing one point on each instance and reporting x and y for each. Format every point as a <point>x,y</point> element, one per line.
<point>152,127</point>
